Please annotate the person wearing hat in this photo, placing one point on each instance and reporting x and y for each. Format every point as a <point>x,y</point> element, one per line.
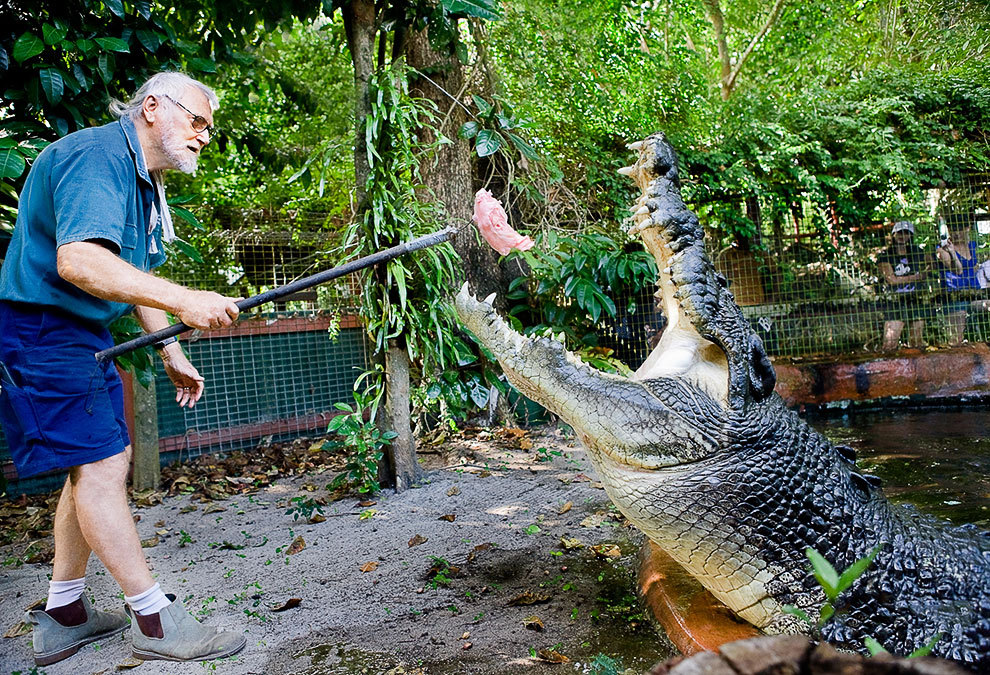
<point>957,257</point>
<point>903,267</point>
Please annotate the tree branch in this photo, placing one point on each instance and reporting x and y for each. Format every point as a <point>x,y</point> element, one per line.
<point>728,85</point>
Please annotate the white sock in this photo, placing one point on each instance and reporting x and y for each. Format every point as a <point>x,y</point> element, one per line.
<point>151,601</point>
<point>62,593</point>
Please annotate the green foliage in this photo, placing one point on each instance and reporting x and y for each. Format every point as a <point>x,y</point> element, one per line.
<point>63,61</point>
<point>572,286</point>
<point>303,507</point>
<point>493,130</point>
<point>363,442</point>
<point>834,584</point>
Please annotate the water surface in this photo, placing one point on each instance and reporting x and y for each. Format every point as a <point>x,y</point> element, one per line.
<point>938,460</point>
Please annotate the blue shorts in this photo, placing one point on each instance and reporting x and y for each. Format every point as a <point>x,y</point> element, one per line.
<point>58,408</point>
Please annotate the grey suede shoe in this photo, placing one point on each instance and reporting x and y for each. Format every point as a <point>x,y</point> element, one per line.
<point>174,635</point>
<point>54,642</point>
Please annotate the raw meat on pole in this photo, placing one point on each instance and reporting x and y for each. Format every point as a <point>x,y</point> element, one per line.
<point>494,226</point>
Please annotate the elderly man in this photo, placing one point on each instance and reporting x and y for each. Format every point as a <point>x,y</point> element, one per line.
<point>91,224</point>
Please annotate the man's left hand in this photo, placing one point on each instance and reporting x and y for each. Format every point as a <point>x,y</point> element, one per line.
<point>187,380</point>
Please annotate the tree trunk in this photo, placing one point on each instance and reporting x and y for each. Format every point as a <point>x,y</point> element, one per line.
<point>400,468</point>
<point>448,174</point>
<point>401,454</point>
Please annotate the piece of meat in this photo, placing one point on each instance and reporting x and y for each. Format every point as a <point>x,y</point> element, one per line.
<point>491,220</point>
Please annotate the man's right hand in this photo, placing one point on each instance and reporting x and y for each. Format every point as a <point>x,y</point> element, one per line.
<point>206,310</point>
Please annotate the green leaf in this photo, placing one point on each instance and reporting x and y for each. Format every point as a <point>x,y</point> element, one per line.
<point>187,216</point>
<point>488,143</point>
<point>85,46</point>
<point>523,147</point>
<point>52,84</point>
<point>798,612</point>
<point>484,106</point>
<point>27,45</point>
<point>827,611</point>
<point>469,130</point>
<point>112,44</point>
<point>53,35</point>
<point>927,648</point>
<point>149,39</point>
<point>203,65</point>
<point>824,572</point>
<point>116,6</point>
<point>188,250</point>
<point>483,9</point>
<point>12,163</point>
<point>104,66</point>
<point>874,646</point>
<point>855,570</point>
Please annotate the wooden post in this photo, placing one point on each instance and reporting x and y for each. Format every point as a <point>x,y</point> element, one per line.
<point>147,464</point>
<point>402,451</point>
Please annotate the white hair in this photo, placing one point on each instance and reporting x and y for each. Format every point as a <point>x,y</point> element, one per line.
<point>162,84</point>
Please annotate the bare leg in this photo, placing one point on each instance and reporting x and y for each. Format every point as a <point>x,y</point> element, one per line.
<point>99,491</point>
<point>892,334</point>
<point>71,550</point>
<point>916,338</point>
<point>957,327</point>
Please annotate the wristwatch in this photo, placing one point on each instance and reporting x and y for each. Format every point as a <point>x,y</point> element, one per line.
<point>164,343</point>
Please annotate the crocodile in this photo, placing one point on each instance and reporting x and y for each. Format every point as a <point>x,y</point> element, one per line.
<point>697,450</point>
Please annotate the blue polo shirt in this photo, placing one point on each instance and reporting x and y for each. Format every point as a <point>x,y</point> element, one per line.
<point>92,184</point>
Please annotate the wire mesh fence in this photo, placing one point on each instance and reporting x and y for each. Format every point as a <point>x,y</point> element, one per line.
<point>814,285</point>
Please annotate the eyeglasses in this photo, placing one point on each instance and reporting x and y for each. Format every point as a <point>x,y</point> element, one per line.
<point>199,123</point>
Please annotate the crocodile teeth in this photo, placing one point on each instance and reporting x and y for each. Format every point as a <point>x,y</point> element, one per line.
<point>642,210</point>
<point>627,170</point>
<point>635,146</point>
<point>490,299</point>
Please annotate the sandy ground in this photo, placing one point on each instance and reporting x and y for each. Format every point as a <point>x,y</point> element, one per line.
<point>492,518</point>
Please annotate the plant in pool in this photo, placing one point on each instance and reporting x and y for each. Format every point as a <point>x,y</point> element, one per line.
<point>833,584</point>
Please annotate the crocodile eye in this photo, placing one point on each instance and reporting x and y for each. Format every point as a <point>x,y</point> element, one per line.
<point>762,378</point>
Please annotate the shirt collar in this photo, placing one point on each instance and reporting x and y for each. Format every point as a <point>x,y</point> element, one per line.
<point>130,133</point>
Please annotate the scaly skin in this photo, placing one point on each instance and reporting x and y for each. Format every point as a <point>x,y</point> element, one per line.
<point>699,453</point>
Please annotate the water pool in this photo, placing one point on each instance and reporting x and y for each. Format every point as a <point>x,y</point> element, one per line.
<point>938,460</point>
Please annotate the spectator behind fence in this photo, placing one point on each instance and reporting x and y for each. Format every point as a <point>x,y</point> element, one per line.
<point>903,266</point>
<point>957,259</point>
<point>91,224</point>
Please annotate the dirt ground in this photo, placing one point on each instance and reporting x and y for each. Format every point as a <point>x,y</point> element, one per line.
<point>508,558</point>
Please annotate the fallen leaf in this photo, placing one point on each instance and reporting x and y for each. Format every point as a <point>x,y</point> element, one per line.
<point>369,566</point>
<point>160,523</point>
<point>162,532</point>
<point>484,474</point>
<point>466,645</point>
<point>529,598</point>
<point>453,491</point>
<point>18,629</point>
<point>317,518</point>
<point>565,508</point>
<point>515,431</point>
<point>297,545</point>
<point>449,517</point>
<point>239,480</point>
<point>525,444</point>
<point>151,542</point>
<point>551,656</point>
<point>214,508</point>
<point>465,635</point>
<point>607,551</point>
<point>594,520</point>
<point>187,509</point>
<point>581,478</point>
<point>532,622</point>
<point>417,540</point>
<point>478,549</point>
<point>129,663</point>
<point>366,503</point>
<point>569,543</point>
<point>289,604</point>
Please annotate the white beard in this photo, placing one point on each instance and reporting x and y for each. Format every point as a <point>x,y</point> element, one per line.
<point>174,148</point>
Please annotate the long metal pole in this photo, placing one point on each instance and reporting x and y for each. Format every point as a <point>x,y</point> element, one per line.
<point>298,285</point>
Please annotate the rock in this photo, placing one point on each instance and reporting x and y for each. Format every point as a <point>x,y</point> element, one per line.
<point>797,655</point>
